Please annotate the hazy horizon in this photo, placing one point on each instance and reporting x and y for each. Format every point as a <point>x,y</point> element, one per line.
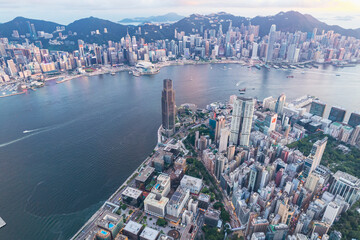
<point>345,13</point>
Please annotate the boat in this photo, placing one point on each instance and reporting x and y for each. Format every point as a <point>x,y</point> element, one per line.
<point>275,66</point>
<point>267,66</point>
<point>136,73</point>
<point>290,76</point>
<point>242,91</point>
<point>2,223</point>
<point>337,75</point>
<point>112,73</point>
<point>257,66</point>
<point>302,72</point>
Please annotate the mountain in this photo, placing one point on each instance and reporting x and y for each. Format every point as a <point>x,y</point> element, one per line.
<point>20,24</point>
<point>85,26</point>
<point>292,21</point>
<point>167,18</point>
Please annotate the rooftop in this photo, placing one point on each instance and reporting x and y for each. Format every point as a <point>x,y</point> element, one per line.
<point>145,174</point>
<point>345,177</point>
<point>133,227</point>
<point>149,233</point>
<point>132,192</point>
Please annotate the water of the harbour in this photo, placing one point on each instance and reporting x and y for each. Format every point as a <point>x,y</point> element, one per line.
<point>87,135</point>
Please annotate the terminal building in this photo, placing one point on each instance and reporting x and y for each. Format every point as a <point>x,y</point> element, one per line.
<point>155,204</point>
<point>191,183</point>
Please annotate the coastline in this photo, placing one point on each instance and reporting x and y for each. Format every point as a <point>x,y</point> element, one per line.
<point>109,70</point>
<point>121,187</point>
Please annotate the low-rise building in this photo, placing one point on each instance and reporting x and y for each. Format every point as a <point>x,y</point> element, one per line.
<point>191,183</point>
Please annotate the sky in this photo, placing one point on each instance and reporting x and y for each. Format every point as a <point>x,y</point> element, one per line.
<point>345,13</point>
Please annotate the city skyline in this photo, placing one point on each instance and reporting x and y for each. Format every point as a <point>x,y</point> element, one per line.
<point>340,12</point>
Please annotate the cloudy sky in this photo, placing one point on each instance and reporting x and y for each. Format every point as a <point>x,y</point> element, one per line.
<point>345,13</point>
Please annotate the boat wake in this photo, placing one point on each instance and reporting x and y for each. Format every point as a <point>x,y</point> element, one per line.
<point>35,130</point>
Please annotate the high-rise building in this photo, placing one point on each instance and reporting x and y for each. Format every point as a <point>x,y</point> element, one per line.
<point>220,124</point>
<point>345,185</point>
<point>270,122</point>
<point>331,213</point>
<point>220,162</point>
<point>317,108</point>
<point>168,106</point>
<point>241,121</point>
<point>271,42</point>
<point>337,114</point>
<point>315,156</point>
<point>354,119</point>
<point>355,136</point>
<point>279,107</point>
<point>224,137</point>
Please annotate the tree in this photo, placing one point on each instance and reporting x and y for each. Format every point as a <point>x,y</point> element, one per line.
<point>161,222</point>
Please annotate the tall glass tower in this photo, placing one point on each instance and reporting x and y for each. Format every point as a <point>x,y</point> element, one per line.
<point>168,106</point>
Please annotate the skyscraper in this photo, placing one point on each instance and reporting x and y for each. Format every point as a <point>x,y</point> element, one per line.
<point>317,108</point>
<point>315,156</point>
<point>168,106</point>
<point>271,41</point>
<point>241,121</point>
<point>279,107</point>
<point>337,114</point>
<point>220,124</point>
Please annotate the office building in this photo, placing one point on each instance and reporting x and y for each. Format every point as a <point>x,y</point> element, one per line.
<point>220,162</point>
<point>168,106</point>
<point>177,202</point>
<point>224,137</point>
<point>271,42</point>
<point>155,204</point>
<point>317,108</point>
<point>132,196</point>
<point>345,185</point>
<point>132,230</point>
<point>354,119</point>
<point>277,232</point>
<point>220,124</point>
<point>149,234</point>
<point>280,103</point>
<point>337,114</point>
<point>241,121</point>
<point>193,184</point>
<point>315,156</point>
<point>355,136</point>
<point>212,217</point>
<point>331,212</point>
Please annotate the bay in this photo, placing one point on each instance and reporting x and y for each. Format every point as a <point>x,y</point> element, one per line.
<point>84,137</point>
